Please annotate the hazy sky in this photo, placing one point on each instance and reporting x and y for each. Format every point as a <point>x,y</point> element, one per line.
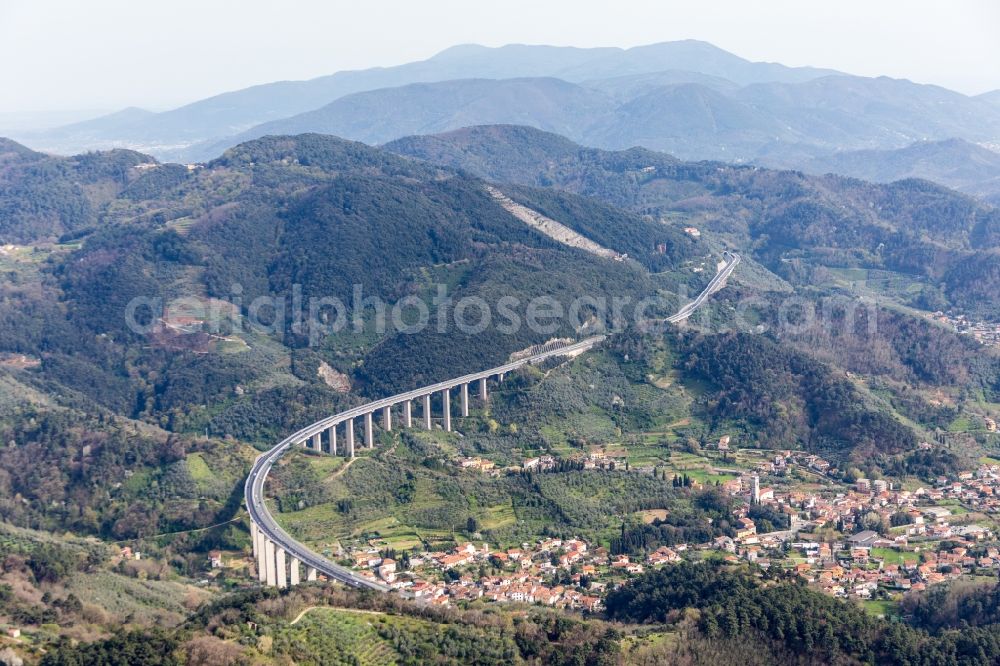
<point>73,54</point>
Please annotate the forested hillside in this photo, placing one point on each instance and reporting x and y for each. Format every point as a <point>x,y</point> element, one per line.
<point>963,165</point>
<point>44,197</point>
<point>308,215</point>
<point>321,215</point>
<point>793,223</point>
<point>735,604</point>
<point>142,431</point>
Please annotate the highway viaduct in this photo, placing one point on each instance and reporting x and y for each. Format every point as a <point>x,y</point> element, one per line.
<point>279,557</point>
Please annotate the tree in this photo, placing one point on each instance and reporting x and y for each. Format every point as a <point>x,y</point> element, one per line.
<point>900,518</point>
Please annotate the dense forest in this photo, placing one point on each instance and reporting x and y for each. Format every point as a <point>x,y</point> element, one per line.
<point>955,605</point>
<point>734,603</point>
<point>44,197</point>
<point>773,394</point>
<point>790,397</point>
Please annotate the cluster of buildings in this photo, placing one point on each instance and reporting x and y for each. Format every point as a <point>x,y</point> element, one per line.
<point>477,464</point>
<point>918,546</point>
<point>596,459</point>
<point>864,540</point>
<point>859,570</point>
<point>553,572</point>
<point>921,539</point>
<point>126,553</point>
<point>987,333</point>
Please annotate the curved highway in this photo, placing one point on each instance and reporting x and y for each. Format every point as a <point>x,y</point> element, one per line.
<point>713,286</point>
<point>254,487</point>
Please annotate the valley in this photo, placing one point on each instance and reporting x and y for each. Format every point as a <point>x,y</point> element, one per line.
<point>513,386</point>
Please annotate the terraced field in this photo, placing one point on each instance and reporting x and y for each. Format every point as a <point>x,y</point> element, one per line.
<point>364,638</point>
<point>24,262</point>
<point>341,636</point>
<point>145,601</point>
<point>322,526</point>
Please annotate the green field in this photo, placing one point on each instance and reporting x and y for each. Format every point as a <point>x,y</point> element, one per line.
<point>954,506</point>
<point>326,465</point>
<point>962,423</point>
<point>322,526</point>
<point>25,261</point>
<point>709,477</point>
<point>496,517</point>
<point>881,607</point>
<point>893,556</point>
<point>232,345</point>
<point>198,469</point>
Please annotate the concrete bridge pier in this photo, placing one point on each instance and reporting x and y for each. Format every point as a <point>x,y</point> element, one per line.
<point>387,418</point>
<point>261,556</point>
<point>427,411</point>
<point>253,537</point>
<point>317,444</point>
<point>271,577</point>
<point>310,573</point>
<point>446,400</point>
<point>350,438</point>
<point>465,400</point>
<point>333,439</point>
<point>293,571</point>
<point>279,567</point>
<point>407,414</point>
<point>369,435</point>
<point>482,390</point>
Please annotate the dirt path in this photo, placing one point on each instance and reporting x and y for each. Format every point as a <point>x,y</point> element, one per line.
<point>334,608</point>
<point>668,429</point>
<point>192,531</point>
<point>344,468</point>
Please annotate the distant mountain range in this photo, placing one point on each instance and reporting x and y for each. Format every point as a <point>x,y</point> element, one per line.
<point>991,97</point>
<point>687,98</point>
<point>956,163</point>
<point>167,134</point>
<point>689,120</point>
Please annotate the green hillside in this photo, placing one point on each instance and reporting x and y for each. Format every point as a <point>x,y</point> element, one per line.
<point>791,222</point>
<point>143,437</point>
<point>43,197</point>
